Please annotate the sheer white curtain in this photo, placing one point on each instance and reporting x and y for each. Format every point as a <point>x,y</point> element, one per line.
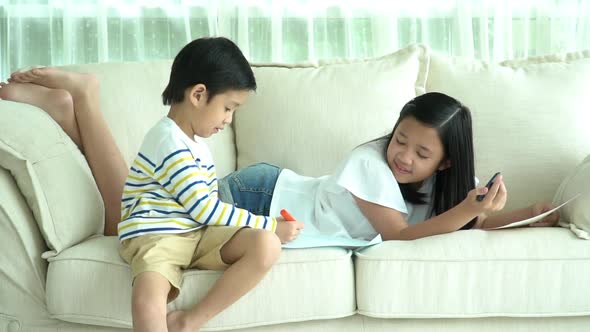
<point>54,32</point>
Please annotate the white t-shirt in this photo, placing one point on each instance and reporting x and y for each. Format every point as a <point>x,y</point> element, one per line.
<point>326,205</point>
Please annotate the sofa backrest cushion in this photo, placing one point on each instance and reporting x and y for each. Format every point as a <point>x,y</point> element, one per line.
<point>308,117</point>
<point>51,174</point>
<point>530,117</point>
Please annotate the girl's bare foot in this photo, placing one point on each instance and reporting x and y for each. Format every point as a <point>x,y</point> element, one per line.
<point>54,78</point>
<point>57,103</point>
<point>177,322</point>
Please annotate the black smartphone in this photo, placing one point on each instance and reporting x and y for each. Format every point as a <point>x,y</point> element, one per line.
<point>488,185</point>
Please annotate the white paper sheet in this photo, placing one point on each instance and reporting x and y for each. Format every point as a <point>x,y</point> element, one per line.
<point>321,240</point>
<point>536,218</point>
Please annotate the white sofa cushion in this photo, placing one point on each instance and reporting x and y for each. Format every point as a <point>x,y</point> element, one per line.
<point>576,214</point>
<point>529,121</point>
<point>52,175</point>
<point>531,272</point>
<point>91,284</point>
<point>308,117</point>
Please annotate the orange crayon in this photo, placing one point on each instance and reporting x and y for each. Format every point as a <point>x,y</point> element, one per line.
<point>287,215</point>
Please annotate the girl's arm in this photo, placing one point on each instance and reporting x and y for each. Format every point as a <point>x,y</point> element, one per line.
<point>506,218</point>
<point>391,225</point>
<point>502,219</point>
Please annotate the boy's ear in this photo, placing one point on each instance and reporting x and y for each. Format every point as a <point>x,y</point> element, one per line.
<point>198,94</point>
<point>444,165</point>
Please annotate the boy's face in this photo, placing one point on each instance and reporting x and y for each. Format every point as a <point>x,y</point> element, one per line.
<point>211,117</point>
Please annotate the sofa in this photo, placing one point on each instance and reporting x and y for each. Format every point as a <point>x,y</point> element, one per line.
<point>59,273</point>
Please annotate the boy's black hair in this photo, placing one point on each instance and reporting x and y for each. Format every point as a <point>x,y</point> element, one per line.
<point>215,62</point>
<point>452,121</point>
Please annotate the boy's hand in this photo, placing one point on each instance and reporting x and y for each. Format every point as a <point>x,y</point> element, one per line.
<point>288,231</point>
<point>541,207</point>
<point>494,200</point>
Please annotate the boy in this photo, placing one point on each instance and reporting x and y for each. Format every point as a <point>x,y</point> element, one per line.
<point>171,217</point>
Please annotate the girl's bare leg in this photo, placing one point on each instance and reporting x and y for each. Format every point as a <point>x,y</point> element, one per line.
<point>101,151</point>
<point>57,103</point>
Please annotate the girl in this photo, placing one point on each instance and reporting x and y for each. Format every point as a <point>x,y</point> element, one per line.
<point>416,182</point>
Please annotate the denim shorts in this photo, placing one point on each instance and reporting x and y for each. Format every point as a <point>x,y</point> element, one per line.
<point>250,188</point>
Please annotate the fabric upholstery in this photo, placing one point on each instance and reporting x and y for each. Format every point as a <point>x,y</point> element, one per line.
<point>318,283</point>
<point>52,175</point>
<point>576,214</point>
<point>528,117</point>
<point>530,272</point>
<point>308,117</point>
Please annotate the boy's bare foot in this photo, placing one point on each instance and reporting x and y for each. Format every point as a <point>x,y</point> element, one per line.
<point>177,322</point>
<point>55,78</point>
<point>57,103</point>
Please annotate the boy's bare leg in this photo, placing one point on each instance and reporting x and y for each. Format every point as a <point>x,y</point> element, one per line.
<point>148,303</point>
<point>57,103</point>
<point>251,253</point>
<point>101,151</point>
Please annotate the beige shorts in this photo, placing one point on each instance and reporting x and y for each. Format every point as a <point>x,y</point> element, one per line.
<point>169,254</point>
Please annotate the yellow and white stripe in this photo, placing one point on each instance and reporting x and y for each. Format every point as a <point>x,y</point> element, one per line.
<point>172,188</point>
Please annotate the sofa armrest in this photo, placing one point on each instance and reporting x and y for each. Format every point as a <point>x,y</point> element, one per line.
<point>22,270</point>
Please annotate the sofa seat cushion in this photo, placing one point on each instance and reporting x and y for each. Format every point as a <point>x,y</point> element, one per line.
<point>527,272</point>
<point>91,284</point>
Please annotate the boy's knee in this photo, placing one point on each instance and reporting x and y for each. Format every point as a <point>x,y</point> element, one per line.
<point>267,248</point>
<point>150,292</point>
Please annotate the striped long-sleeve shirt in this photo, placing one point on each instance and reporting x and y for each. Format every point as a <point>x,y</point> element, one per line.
<point>172,188</point>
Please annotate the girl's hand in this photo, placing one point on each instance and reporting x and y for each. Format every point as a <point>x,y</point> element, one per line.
<point>542,207</point>
<point>494,200</point>
<point>288,231</point>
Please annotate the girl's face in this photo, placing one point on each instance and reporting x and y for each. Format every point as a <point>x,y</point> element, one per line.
<point>415,152</point>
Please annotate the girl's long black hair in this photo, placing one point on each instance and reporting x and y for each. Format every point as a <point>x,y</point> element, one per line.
<point>452,121</point>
